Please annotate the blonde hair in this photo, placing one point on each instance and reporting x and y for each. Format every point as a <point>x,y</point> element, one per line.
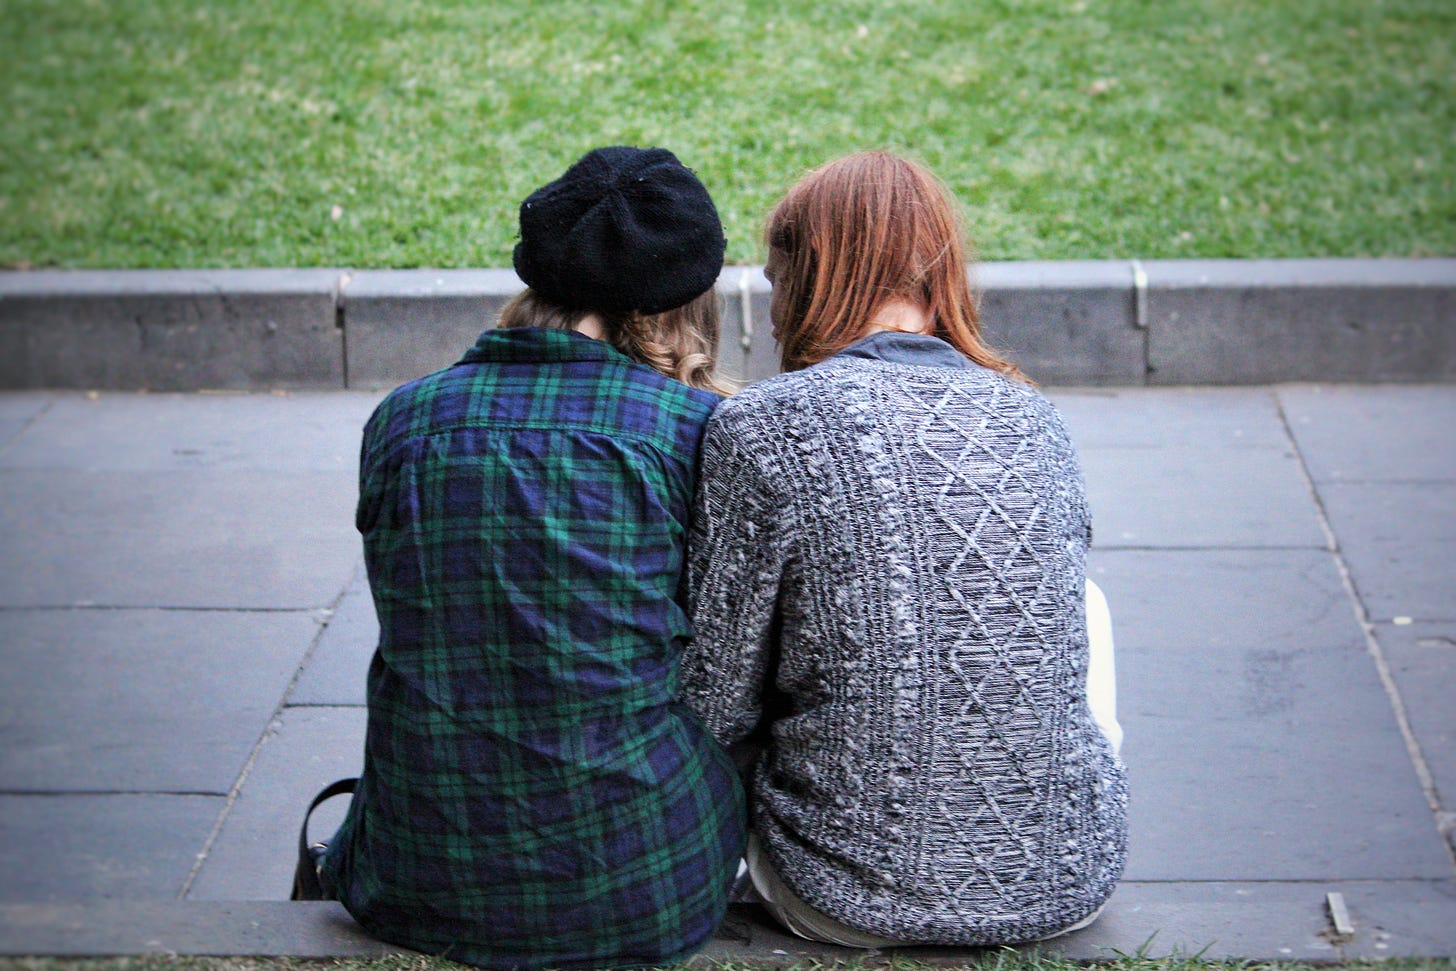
<point>857,233</point>
<point>681,343</point>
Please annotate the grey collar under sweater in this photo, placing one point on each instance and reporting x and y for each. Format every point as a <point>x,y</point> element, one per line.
<point>898,347</point>
<point>888,558</point>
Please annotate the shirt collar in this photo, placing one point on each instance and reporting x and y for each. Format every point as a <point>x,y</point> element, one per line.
<point>539,344</point>
<point>898,347</point>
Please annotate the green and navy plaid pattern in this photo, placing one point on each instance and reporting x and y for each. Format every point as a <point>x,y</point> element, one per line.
<point>533,793</point>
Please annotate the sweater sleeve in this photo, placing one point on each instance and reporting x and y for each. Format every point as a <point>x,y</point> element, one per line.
<point>1067,468</point>
<point>735,563</point>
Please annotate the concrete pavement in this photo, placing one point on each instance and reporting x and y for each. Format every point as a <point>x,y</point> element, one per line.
<point>184,629</point>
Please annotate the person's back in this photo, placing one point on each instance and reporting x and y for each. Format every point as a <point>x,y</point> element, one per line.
<point>533,795</point>
<point>888,579</point>
<point>530,787</point>
<point>934,774</point>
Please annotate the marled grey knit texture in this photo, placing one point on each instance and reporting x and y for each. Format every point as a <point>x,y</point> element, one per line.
<point>894,555</point>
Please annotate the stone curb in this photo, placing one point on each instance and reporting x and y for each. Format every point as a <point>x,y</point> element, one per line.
<point>1116,322</point>
<point>1242,921</point>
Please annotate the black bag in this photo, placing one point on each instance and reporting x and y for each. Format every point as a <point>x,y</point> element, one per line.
<point>305,874</point>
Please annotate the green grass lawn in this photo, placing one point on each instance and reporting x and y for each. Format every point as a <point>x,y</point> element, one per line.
<point>395,133</point>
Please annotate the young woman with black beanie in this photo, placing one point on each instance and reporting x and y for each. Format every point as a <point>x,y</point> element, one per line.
<point>533,793</point>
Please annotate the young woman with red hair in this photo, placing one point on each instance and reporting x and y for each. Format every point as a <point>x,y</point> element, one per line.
<point>887,572</point>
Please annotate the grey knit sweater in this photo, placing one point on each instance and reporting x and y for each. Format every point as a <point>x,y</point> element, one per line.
<point>887,569</point>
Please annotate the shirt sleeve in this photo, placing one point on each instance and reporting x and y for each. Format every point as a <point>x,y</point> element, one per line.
<point>1067,472</point>
<point>366,512</point>
<point>736,556</point>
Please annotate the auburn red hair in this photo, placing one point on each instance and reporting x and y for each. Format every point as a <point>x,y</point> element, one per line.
<point>857,233</point>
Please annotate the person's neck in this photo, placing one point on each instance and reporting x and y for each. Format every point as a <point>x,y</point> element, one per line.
<point>591,326</point>
<point>902,316</point>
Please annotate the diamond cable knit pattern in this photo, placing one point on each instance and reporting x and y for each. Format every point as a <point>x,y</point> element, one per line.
<point>889,559</point>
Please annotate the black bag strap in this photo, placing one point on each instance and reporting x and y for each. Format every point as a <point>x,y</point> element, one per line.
<point>305,874</point>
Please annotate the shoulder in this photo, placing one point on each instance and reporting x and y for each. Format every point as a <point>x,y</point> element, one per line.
<point>691,404</point>
<point>1013,402</point>
<point>761,396</point>
<point>636,402</point>
<point>778,397</point>
<point>1041,415</point>
<point>764,414</point>
<point>401,409</point>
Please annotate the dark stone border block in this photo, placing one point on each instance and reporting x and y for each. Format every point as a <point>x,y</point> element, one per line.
<point>1066,323</point>
<point>1267,321</point>
<point>168,330</point>
<point>401,324</point>
<point>1113,322</point>
<point>746,349</point>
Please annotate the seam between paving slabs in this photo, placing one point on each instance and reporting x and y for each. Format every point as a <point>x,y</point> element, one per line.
<point>9,443</point>
<point>1372,645</point>
<point>269,731</point>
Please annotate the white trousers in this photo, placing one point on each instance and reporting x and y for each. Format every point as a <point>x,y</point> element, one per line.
<point>812,925</point>
<point>1101,676</point>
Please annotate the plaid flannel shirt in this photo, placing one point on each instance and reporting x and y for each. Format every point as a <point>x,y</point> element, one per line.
<point>533,793</point>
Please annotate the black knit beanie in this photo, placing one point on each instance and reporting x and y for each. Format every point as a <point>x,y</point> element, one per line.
<point>624,229</point>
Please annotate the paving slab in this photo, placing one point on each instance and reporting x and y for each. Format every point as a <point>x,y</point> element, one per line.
<point>128,927</point>
<point>117,846</point>
<point>336,670</point>
<point>167,500</point>
<point>1422,659</point>
<point>1278,921</point>
<point>1259,739</point>
<point>1190,468</point>
<point>1399,539</point>
<point>255,851</point>
<point>140,700</point>
<point>299,431</point>
<point>1401,919</point>
<point>1387,433</point>
<point>207,538</point>
<point>1181,417</point>
<point>1199,497</point>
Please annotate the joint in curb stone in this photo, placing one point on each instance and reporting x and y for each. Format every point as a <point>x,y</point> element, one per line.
<point>339,287</point>
<point>745,307</point>
<point>339,325</point>
<point>1139,295</point>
